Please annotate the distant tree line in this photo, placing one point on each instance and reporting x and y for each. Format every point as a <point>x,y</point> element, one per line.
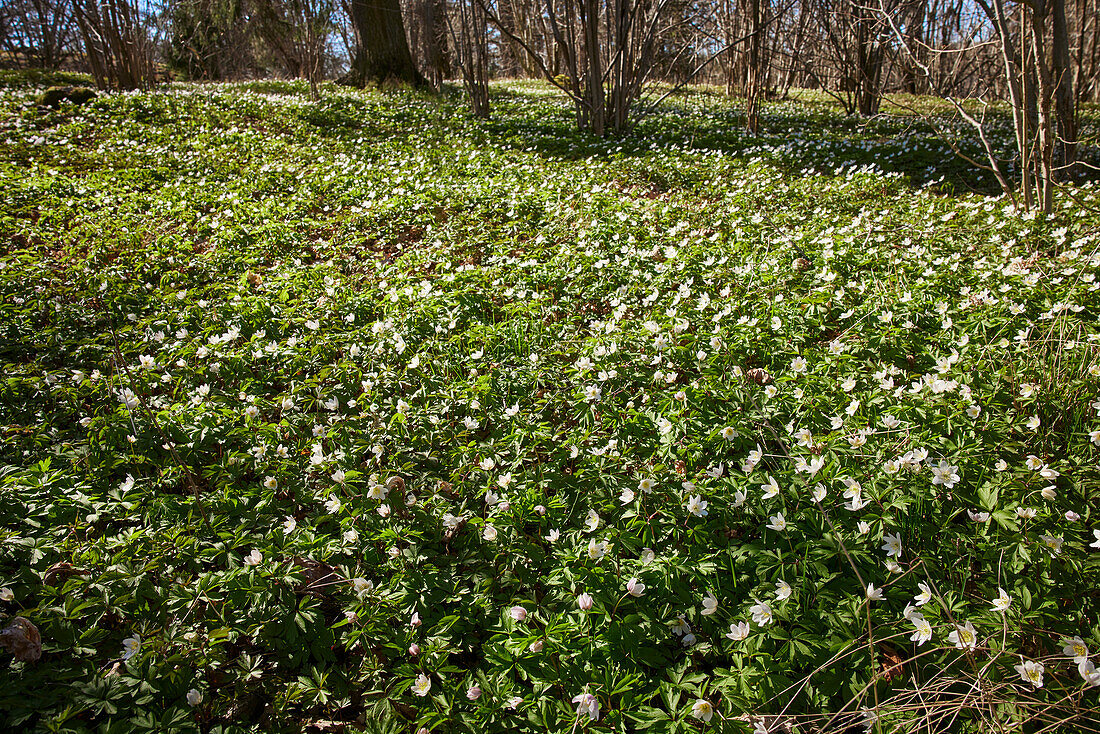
<point>1042,57</point>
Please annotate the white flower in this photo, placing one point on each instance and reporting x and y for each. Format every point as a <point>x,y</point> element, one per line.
<point>1075,648</point>
<point>697,506</point>
<point>1002,602</point>
<point>777,522</point>
<point>131,646</point>
<point>945,474</point>
<point>782,590</point>
<point>596,551</point>
<point>761,613</point>
<point>874,594</point>
<point>925,594</point>
<point>771,489</point>
<point>587,704</point>
<point>634,587</point>
<point>254,558</point>
<point>422,686</point>
<point>818,493</point>
<point>1033,423</point>
<point>584,601</point>
<point>923,631</point>
<point>702,710</point>
<point>6,594</point>
<point>647,556</point>
<point>1095,534</point>
<point>194,697</point>
<point>964,638</point>
<point>738,631</point>
<point>680,625</point>
<point>1089,673</point>
<point>891,544</point>
<point>627,496</point>
<point>553,536</point>
<point>1031,672</point>
<point>592,521</point>
<point>710,604</point>
<point>489,533</point>
<point>1053,542</point>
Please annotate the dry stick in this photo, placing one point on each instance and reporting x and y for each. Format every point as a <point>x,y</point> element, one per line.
<point>153,420</point>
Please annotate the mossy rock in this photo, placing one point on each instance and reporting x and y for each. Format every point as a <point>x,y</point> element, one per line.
<point>54,96</point>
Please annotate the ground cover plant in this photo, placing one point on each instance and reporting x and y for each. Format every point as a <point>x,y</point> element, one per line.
<point>363,414</point>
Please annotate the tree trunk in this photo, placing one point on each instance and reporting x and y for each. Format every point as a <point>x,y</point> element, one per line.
<point>1064,108</point>
<point>590,20</point>
<point>753,70</point>
<point>1045,173</point>
<point>382,56</point>
<point>868,64</point>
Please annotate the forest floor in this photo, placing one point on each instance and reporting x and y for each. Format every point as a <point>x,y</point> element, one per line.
<point>366,415</point>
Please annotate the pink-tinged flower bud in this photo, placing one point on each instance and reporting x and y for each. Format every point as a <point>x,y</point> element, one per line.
<point>584,601</point>
<point>540,509</point>
<point>415,621</point>
<point>414,649</point>
<point>473,693</point>
<point>518,613</point>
